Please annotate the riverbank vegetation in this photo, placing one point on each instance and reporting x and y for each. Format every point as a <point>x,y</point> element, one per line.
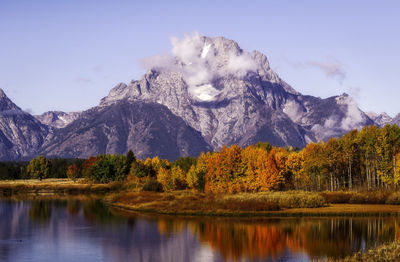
<point>362,167</point>
<point>367,160</point>
<point>385,252</point>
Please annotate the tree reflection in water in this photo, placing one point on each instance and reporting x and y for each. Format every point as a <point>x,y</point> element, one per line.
<point>40,211</point>
<point>335,237</point>
<point>121,234</point>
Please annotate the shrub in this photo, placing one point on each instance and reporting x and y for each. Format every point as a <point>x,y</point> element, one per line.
<point>369,198</point>
<point>153,185</point>
<point>337,197</point>
<point>273,201</point>
<point>356,197</point>
<point>251,204</point>
<point>293,199</point>
<point>394,199</point>
<point>73,172</point>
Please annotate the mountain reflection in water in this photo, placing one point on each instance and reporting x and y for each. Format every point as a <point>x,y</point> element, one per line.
<point>87,230</point>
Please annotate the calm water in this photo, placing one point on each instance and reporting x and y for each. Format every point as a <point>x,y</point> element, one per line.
<point>86,230</point>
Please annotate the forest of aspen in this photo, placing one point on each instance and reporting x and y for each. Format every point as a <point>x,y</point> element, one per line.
<point>368,159</point>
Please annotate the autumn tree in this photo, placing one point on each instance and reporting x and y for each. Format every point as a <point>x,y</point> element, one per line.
<point>87,167</point>
<point>195,177</point>
<point>73,172</point>
<point>295,163</point>
<point>165,178</point>
<point>39,167</point>
<point>225,171</point>
<point>178,178</point>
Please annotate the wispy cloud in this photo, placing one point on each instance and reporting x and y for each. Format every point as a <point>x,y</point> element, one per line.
<point>29,111</point>
<point>97,68</point>
<point>81,79</point>
<point>333,69</point>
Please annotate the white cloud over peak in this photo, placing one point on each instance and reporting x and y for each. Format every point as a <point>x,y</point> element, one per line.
<point>195,57</point>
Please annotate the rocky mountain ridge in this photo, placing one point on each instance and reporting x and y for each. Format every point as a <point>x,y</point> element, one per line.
<point>21,135</point>
<point>207,94</point>
<point>57,119</point>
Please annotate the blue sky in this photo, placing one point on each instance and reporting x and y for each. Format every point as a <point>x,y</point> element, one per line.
<point>68,54</point>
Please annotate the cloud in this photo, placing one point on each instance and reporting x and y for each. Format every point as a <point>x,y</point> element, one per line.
<point>83,79</point>
<point>29,111</point>
<point>241,64</point>
<point>327,129</point>
<point>160,61</point>
<point>354,91</point>
<point>333,69</point>
<point>196,58</point>
<point>353,117</point>
<point>97,68</point>
<point>188,48</point>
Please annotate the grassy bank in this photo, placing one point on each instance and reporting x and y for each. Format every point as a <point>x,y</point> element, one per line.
<point>191,203</point>
<point>282,204</point>
<point>57,186</point>
<point>129,196</point>
<point>386,252</point>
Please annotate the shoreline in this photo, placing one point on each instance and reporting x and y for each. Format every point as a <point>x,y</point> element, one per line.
<point>337,210</point>
<point>186,203</point>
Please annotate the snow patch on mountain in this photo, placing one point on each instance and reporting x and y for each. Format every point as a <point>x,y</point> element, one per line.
<point>57,119</point>
<point>201,60</point>
<point>380,119</point>
<point>205,92</point>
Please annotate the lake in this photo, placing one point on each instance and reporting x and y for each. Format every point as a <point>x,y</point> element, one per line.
<point>84,229</point>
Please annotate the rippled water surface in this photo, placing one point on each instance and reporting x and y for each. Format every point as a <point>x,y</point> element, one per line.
<point>87,230</point>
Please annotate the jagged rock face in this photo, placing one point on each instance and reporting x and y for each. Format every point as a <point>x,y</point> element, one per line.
<point>381,119</point>
<point>211,93</point>
<point>232,96</point>
<point>396,120</point>
<point>148,129</point>
<point>21,135</point>
<point>57,119</point>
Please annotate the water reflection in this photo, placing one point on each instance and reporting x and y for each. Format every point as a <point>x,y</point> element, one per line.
<point>272,238</point>
<point>39,211</point>
<point>73,230</point>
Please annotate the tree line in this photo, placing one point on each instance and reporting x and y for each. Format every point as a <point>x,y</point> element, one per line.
<point>368,159</point>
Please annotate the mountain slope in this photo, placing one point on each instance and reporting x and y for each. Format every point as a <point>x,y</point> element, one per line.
<point>209,94</point>
<point>21,135</point>
<point>233,96</point>
<point>57,119</point>
<point>148,129</point>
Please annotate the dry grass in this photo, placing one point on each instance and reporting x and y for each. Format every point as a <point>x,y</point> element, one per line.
<point>172,202</point>
<point>277,200</point>
<point>386,252</point>
<point>63,186</point>
<point>374,197</point>
<point>261,204</point>
<point>346,210</point>
<point>288,203</point>
<point>393,199</point>
<point>188,202</point>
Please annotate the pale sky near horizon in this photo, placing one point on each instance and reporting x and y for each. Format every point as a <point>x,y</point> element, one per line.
<point>67,54</point>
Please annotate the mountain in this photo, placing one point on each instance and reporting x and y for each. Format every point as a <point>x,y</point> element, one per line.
<point>57,119</point>
<point>149,129</point>
<point>21,135</point>
<point>396,120</point>
<point>233,96</point>
<point>380,119</point>
<point>207,94</point>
